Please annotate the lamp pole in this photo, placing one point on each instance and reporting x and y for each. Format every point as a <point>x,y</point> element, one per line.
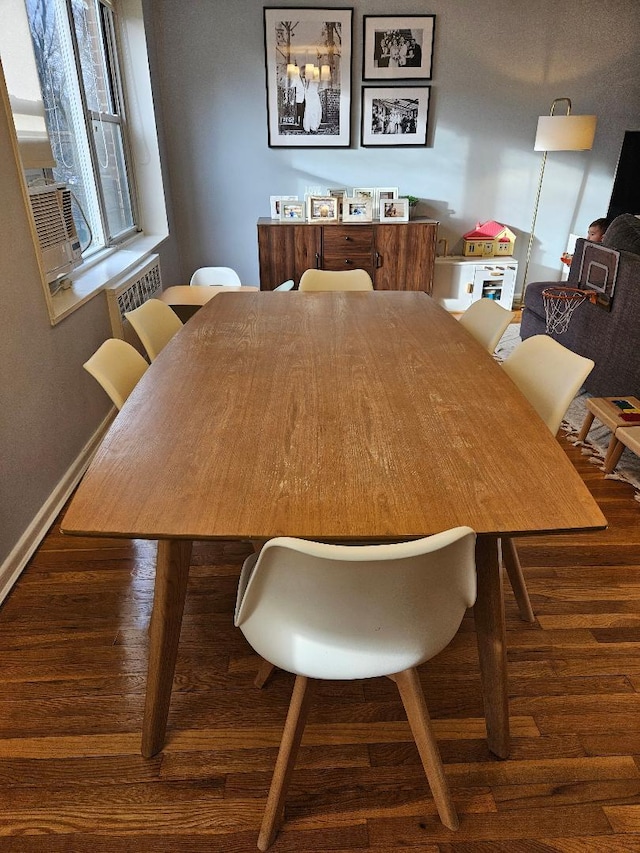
<point>537,202</point>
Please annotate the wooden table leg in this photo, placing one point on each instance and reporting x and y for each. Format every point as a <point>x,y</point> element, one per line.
<point>492,647</point>
<point>172,574</point>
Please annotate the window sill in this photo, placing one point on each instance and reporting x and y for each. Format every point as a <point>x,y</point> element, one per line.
<point>92,278</point>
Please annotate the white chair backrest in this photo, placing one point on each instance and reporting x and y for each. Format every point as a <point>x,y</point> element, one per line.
<point>549,375</point>
<point>155,323</point>
<point>382,608</point>
<point>487,321</point>
<point>118,367</point>
<point>286,285</point>
<point>215,276</point>
<point>335,280</point>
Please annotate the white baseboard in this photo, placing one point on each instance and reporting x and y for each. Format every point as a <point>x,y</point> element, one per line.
<point>13,566</point>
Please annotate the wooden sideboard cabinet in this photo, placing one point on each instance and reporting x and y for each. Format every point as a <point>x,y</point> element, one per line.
<point>397,256</point>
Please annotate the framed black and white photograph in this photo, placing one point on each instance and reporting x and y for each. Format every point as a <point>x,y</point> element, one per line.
<point>292,211</point>
<point>398,47</point>
<point>308,67</point>
<point>322,208</point>
<point>394,210</point>
<point>357,209</point>
<point>275,203</point>
<point>395,116</point>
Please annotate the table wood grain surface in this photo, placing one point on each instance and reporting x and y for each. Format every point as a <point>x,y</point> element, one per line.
<point>336,416</point>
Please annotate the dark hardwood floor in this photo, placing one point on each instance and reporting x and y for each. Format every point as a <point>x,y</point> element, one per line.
<point>73,647</point>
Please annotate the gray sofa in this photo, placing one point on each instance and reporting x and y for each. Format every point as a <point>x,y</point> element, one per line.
<point>610,337</point>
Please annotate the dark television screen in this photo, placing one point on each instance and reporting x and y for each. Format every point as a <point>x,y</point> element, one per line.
<point>625,197</point>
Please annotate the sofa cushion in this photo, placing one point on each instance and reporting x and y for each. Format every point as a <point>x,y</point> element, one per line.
<point>623,234</point>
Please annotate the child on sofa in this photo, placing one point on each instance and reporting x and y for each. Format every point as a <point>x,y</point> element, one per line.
<point>595,233</point>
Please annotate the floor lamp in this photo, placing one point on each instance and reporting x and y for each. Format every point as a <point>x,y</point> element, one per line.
<point>558,133</point>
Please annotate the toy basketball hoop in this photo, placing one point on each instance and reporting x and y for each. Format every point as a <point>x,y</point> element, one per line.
<point>560,303</point>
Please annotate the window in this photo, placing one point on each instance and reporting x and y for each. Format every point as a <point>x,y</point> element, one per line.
<point>77,60</point>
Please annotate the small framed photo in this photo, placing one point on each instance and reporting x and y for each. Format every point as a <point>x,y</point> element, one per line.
<point>394,210</point>
<point>322,208</point>
<point>339,193</point>
<point>383,194</point>
<point>357,209</point>
<point>395,116</point>
<point>275,203</point>
<point>292,211</point>
<point>364,192</point>
<point>398,47</point>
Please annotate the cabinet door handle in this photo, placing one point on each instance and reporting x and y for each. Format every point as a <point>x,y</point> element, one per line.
<point>348,238</point>
<point>348,261</point>
<point>317,261</point>
<point>378,260</point>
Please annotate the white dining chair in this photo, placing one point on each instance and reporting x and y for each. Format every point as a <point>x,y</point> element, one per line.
<point>549,375</point>
<point>313,279</point>
<point>155,323</point>
<point>286,285</point>
<point>486,321</point>
<point>118,367</point>
<point>224,276</point>
<point>344,612</point>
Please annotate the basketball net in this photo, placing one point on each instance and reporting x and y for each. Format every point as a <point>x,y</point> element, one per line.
<point>559,305</point>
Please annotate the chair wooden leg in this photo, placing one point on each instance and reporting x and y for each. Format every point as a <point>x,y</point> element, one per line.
<point>291,737</point>
<point>511,563</point>
<point>418,716</point>
<point>265,671</point>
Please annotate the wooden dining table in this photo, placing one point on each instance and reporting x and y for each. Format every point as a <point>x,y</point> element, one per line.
<point>343,417</point>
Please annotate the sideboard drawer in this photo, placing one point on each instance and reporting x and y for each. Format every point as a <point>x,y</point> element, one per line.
<point>347,247</point>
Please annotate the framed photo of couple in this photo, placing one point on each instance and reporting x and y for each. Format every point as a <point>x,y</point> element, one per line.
<point>398,47</point>
<point>308,67</point>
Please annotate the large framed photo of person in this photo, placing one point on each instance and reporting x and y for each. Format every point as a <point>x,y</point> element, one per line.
<point>395,116</point>
<point>308,68</point>
<point>398,48</point>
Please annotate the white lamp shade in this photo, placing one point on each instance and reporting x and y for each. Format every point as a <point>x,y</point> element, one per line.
<point>565,133</point>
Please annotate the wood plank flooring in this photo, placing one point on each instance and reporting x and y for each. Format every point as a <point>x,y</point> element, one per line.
<point>73,648</point>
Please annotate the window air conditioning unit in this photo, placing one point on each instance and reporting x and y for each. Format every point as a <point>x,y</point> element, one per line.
<point>56,230</point>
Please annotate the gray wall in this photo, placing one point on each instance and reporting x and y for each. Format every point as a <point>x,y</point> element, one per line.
<point>497,66</point>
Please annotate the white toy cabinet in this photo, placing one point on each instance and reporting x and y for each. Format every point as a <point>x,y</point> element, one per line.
<point>459,281</point>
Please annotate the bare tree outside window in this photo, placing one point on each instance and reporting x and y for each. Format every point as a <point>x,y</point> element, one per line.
<point>77,65</point>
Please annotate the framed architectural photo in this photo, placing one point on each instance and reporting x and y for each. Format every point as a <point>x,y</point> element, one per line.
<point>394,210</point>
<point>357,209</point>
<point>398,47</point>
<point>308,67</point>
<point>275,203</point>
<point>292,211</point>
<point>322,208</point>
<point>395,116</point>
